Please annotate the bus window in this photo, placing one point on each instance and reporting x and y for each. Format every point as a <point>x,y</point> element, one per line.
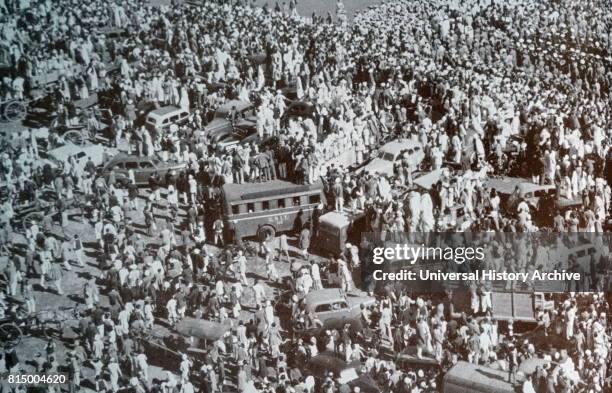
<point>296,201</point>
<point>235,209</point>
<point>314,199</point>
<point>250,207</point>
<point>281,203</point>
<point>265,205</point>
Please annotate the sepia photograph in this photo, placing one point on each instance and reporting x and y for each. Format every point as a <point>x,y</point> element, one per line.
<point>305,196</point>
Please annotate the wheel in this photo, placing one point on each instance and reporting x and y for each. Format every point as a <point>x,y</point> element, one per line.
<point>75,137</point>
<point>266,232</point>
<point>14,110</point>
<point>10,335</point>
<point>30,218</point>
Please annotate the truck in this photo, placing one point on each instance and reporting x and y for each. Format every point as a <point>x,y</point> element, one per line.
<point>516,304</point>
<point>338,228</point>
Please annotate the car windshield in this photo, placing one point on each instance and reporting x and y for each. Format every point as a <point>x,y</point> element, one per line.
<point>221,113</point>
<point>388,157</point>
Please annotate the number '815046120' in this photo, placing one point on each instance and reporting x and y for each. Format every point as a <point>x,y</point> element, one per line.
<point>36,379</point>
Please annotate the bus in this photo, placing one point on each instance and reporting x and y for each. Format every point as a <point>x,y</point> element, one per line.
<point>264,209</point>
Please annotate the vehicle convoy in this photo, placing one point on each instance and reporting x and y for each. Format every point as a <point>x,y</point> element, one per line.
<point>142,168</point>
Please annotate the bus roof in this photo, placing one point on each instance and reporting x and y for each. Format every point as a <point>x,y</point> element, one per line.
<point>274,188</point>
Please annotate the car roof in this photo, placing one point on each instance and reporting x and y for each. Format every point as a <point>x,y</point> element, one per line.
<point>531,187</point>
<point>324,296</point>
<point>128,157</point>
<point>69,149</point>
<point>249,191</point>
<point>164,110</point>
<point>335,218</point>
<point>396,146</point>
<point>239,104</point>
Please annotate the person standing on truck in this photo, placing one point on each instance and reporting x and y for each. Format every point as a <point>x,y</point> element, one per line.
<point>338,193</point>
<point>485,296</point>
<point>512,363</point>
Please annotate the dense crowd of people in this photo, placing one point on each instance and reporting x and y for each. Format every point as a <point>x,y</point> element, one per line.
<point>487,90</point>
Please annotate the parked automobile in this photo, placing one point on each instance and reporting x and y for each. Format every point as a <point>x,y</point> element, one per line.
<point>221,125</point>
<point>79,155</point>
<point>326,363</point>
<point>513,190</point>
<point>391,153</point>
<point>230,140</point>
<point>161,119</point>
<point>303,109</point>
<point>142,167</point>
<point>334,310</point>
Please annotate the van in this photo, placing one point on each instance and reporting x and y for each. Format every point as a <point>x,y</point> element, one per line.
<point>161,119</point>
<point>80,155</point>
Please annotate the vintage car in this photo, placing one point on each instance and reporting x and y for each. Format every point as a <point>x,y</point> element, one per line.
<point>303,109</point>
<point>161,119</point>
<point>230,140</point>
<point>221,125</point>
<point>326,363</point>
<point>391,153</point>
<point>466,377</point>
<point>541,198</point>
<point>142,167</point>
<point>190,336</point>
<point>330,307</point>
<point>79,155</point>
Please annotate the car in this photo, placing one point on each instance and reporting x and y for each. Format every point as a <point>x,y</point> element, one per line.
<point>161,119</point>
<point>229,141</point>
<point>344,373</point>
<point>333,309</point>
<point>221,125</point>
<point>391,153</point>
<point>79,154</point>
<point>303,109</point>
<point>143,168</point>
<point>513,190</point>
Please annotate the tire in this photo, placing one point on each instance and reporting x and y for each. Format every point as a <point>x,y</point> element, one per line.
<point>10,335</point>
<point>14,110</point>
<point>266,232</point>
<point>75,137</point>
